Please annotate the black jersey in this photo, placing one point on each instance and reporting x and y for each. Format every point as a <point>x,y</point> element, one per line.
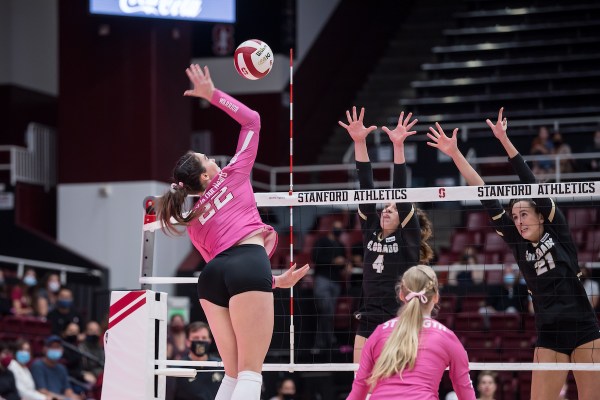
<point>385,258</point>
<point>550,267</point>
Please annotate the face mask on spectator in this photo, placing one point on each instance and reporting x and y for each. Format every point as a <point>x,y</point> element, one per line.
<point>92,339</point>
<point>199,347</point>
<point>64,303</point>
<point>71,338</point>
<point>54,354</point>
<point>23,356</point>
<point>30,280</point>
<point>5,360</point>
<point>509,279</point>
<point>54,286</point>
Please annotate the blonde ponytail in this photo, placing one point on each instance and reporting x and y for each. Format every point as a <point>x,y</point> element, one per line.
<point>401,348</point>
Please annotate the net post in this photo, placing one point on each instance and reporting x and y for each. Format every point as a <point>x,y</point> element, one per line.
<point>148,239</point>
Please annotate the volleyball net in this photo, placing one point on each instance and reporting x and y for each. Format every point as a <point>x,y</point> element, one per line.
<point>471,260</point>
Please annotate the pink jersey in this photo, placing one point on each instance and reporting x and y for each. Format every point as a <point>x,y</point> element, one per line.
<point>438,348</point>
<point>229,212</point>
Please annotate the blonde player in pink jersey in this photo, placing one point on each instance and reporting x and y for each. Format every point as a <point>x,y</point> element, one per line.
<point>406,356</point>
<point>236,285</point>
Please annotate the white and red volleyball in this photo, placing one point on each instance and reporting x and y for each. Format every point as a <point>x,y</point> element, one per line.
<point>253,59</point>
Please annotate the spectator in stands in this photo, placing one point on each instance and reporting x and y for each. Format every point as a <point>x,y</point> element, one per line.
<point>64,313</point>
<point>206,384</point>
<point>22,294</point>
<point>23,378</point>
<point>395,239</point>
<point>542,146</point>
<point>509,297</point>
<point>329,257</point>
<point>91,345</point>
<point>5,302</point>
<point>594,164</point>
<point>81,380</point>
<point>176,340</point>
<point>469,277</point>
<point>50,290</point>
<point>8,386</point>
<point>592,288</point>
<point>40,308</point>
<point>396,363</point>
<point>286,390</point>
<point>486,385</point>
<point>50,376</point>
<point>562,149</point>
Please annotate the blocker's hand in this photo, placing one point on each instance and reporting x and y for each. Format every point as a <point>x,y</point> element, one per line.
<point>446,144</point>
<point>290,277</point>
<point>499,128</point>
<point>203,84</point>
<point>402,130</point>
<point>355,126</point>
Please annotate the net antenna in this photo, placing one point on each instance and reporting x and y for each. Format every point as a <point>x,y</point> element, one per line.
<point>291,192</point>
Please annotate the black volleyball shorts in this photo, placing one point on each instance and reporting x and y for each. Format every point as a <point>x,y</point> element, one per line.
<point>239,269</point>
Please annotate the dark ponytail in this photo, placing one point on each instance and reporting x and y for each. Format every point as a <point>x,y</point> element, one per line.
<point>186,180</point>
<point>426,252</point>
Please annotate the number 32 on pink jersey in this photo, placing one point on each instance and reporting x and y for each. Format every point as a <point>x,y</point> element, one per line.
<point>215,205</point>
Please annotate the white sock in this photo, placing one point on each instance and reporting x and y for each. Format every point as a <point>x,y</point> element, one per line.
<point>226,388</point>
<point>248,387</point>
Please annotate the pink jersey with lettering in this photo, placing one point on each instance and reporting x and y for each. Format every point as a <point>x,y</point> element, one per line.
<point>438,348</point>
<point>229,212</point>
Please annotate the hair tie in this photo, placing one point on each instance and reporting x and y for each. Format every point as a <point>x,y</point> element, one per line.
<point>176,186</point>
<point>420,295</point>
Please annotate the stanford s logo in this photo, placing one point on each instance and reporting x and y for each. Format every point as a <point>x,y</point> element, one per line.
<point>442,193</point>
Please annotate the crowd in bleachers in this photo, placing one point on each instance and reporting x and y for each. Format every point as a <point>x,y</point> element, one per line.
<point>50,350</point>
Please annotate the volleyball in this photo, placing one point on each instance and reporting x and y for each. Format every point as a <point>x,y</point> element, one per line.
<point>253,59</point>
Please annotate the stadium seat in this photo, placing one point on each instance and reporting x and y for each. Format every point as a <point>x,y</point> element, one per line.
<point>529,324</point>
<point>581,218</point>
<point>308,241</point>
<point>446,319</point>
<point>505,322</point>
<point>472,302</point>
<point>484,356</point>
<point>448,303</point>
<point>447,258</point>
<point>468,321</point>
<point>480,341</point>
<point>477,221</point>
<point>592,242</point>
<point>509,258</point>
<point>343,313</point>
<point>493,277</point>
<point>587,256</point>
<point>460,240</point>
<point>578,236</point>
<point>493,243</point>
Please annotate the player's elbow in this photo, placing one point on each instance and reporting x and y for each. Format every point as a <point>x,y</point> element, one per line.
<point>254,120</point>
